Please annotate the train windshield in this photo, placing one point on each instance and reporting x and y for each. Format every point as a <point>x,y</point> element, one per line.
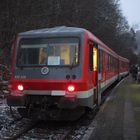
<point>50,52</point>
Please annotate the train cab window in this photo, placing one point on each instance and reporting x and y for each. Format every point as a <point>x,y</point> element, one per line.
<point>51,52</point>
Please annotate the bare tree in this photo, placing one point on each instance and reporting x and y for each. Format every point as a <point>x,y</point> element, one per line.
<point>101,17</point>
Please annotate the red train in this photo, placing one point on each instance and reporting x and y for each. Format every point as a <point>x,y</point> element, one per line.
<point>63,68</point>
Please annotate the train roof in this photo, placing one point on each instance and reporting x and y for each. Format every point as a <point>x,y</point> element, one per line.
<point>102,45</point>
<point>64,30</point>
<point>59,29</point>
<point>123,59</point>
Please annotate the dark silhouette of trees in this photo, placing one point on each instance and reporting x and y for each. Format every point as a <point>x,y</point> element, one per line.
<point>101,17</point>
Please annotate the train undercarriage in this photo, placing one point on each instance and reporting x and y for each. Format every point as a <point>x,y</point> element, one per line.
<point>49,108</point>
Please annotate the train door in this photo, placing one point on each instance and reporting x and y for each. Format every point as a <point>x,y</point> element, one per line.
<point>95,72</point>
<point>94,67</point>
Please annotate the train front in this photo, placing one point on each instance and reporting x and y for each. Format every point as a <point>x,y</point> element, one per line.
<point>47,72</point>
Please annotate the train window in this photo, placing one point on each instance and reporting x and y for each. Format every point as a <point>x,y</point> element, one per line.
<point>95,59</point>
<point>112,63</point>
<point>90,57</point>
<point>108,62</point>
<point>100,61</point>
<point>116,63</point>
<point>51,52</point>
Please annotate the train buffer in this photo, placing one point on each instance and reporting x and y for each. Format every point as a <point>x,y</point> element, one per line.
<point>119,117</point>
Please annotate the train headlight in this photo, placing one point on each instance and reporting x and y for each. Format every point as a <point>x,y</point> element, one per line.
<point>71,88</point>
<point>20,87</point>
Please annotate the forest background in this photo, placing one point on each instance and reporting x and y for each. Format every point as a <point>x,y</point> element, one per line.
<point>102,17</point>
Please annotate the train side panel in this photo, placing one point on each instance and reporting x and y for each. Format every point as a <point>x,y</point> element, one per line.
<point>123,67</point>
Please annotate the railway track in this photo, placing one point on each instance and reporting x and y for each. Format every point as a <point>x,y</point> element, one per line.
<point>17,128</point>
<point>49,132</point>
<point>22,129</point>
<point>11,125</point>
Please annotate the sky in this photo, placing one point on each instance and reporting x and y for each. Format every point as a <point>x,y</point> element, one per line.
<point>131,10</point>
